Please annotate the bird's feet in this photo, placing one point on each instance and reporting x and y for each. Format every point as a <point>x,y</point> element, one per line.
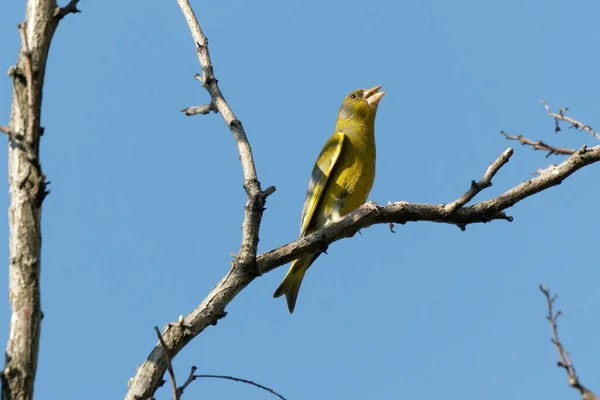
<point>371,206</point>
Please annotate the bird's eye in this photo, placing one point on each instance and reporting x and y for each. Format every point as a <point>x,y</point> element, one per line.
<point>353,96</point>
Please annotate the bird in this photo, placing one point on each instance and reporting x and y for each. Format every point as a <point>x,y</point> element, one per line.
<point>341,179</point>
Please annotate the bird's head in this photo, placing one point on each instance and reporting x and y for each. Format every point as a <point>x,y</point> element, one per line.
<point>360,106</point>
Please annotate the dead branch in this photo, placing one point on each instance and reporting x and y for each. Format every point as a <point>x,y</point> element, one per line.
<point>27,185</point>
<point>564,357</point>
<point>255,196</point>
<point>244,268</point>
<point>539,145</point>
<point>212,308</point>
<point>195,110</point>
<point>574,123</point>
<point>176,393</point>
<point>247,266</point>
<point>192,377</point>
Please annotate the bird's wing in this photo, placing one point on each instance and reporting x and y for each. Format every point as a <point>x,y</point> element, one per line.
<point>320,174</point>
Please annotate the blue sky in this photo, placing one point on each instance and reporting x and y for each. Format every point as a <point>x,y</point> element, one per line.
<point>146,203</point>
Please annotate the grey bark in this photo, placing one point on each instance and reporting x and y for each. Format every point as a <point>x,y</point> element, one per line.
<point>27,186</point>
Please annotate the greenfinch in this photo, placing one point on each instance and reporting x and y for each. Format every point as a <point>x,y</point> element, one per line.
<point>341,178</point>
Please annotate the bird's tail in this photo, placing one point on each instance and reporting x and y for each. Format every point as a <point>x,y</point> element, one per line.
<point>290,286</point>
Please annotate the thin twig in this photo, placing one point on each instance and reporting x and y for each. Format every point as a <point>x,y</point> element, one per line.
<point>485,182</point>
<point>188,381</point>
<point>169,365</point>
<point>232,378</point>
<point>539,145</point>
<point>564,357</point>
<point>192,377</point>
<point>574,123</point>
<point>204,109</point>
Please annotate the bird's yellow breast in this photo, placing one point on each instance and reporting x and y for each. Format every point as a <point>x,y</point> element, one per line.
<point>350,181</point>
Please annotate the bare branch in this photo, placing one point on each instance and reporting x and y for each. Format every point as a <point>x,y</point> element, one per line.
<point>27,185</point>
<point>169,365</point>
<point>243,381</point>
<point>70,8</point>
<point>255,198</point>
<point>564,357</point>
<point>485,182</point>
<point>539,145</point>
<point>188,381</point>
<point>574,123</point>
<point>212,308</point>
<point>192,377</point>
<point>244,268</point>
<point>195,110</point>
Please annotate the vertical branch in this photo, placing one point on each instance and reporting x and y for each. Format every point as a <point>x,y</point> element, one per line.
<point>255,198</point>
<point>27,186</point>
<point>244,268</point>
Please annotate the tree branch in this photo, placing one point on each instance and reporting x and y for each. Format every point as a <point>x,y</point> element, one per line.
<point>574,123</point>
<point>539,145</point>
<point>244,268</point>
<point>255,197</point>
<point>27,185</point>
<point>176,392</point>
<point>192,377</point>
<point>564,357</point>
<point>212,308</point>
<point>195,110</point>
<point>484,183</point>
<point>70,8</point>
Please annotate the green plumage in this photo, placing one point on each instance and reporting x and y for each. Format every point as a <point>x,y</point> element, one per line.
<point>341,179</point>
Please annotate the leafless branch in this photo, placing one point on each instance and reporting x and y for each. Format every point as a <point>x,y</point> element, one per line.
<point>212,308</point>
<point>485,182</point>
<point>245,262</point>
<point>192,377</point>
<point>244,268</point>
<point>539,145</point>
<point>27,185</point>
<point>195,110</point>
<point>574,123</point>
<point>564,357</point>
<point>255,196</point>
<point>169,365</point>
<point>70,8</point>
<point>188,381</point>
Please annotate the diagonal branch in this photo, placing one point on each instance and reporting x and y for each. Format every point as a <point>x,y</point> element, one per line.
<point>484,183</point>
<point>539,145</point>
<point>70,8</point>
<point>574,123</point>
<point>244,268</point>
<point>564,357</point>
<point>212,308</point>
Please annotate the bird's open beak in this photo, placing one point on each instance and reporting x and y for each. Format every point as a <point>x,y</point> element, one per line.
<point>373,95</point>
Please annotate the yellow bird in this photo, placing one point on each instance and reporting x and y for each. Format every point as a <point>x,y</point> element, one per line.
<point>341,178</point>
